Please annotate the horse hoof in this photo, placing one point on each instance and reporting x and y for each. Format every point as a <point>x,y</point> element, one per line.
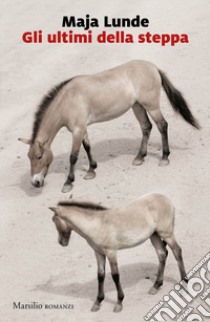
<point>118,308</point>
<point>90,175</point>
<point>95,307</point>
<point>138,161</point>
<point>164,163</point>
<point>152,291</point>
<point>67,187</point>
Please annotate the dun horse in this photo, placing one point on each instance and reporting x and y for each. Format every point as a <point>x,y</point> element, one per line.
<point>84,100</point>
<point>109,230</point>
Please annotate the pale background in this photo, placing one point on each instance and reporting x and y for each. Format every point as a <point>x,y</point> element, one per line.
<point>33,266</point>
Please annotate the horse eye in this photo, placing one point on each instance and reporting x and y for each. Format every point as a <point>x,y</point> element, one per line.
<point>39,157</point>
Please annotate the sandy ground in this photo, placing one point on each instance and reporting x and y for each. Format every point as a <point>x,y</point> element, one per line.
<point>33,266</point>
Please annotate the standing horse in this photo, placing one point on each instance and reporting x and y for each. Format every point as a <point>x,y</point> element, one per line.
<point>84,100</point>
<point>109,230</point>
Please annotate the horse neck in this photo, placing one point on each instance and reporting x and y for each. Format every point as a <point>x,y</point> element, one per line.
<point>50,125</point>
<point>83,221</point>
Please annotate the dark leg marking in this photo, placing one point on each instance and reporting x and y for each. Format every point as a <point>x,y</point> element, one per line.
<point>177,252</point>
<point>162,125</point>
<point>92,163</point>
<point>101,278</point>
<point>116,278</point>
<point>163,128</point>
<point>146,127</point>
<point>162,253</point>
<point>77,137</point>
<point>101,261</point>
<point>71,177</point>
<point>73,159</point>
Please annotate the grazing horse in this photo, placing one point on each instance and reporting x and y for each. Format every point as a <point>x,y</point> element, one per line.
<point>109,230</point>
<point>88,99</point>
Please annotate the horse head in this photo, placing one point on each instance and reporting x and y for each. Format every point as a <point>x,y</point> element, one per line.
<point>40,157</point>
<point>64,230</point>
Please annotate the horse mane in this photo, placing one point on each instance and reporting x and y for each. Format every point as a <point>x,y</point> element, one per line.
<point>81,204</point>
<point>43,106</point>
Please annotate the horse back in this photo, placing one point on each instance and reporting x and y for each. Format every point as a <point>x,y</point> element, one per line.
<point>152,210</point>
<point>107,95</point>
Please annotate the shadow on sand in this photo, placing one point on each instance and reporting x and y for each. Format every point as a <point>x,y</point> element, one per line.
<point>103,151</point>
<point>130,275</point>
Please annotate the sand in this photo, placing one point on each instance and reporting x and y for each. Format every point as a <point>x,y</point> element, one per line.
<point>34,267</point>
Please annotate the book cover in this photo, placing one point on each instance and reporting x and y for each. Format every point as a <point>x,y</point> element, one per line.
<point>119,71</point>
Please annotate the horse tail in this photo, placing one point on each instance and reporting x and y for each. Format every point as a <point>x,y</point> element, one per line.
<point>177,101</point>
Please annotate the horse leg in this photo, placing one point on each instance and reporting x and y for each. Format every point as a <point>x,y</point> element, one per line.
<point>146,127</point>
<point>162,253</point>
<point>177,251</point>
<point>92,163</point>
<point>101,261</point>
<point>77,137</point>
<point>116,278</point>
<point>162,125</point>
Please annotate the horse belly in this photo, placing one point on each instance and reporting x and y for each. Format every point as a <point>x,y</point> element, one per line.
<point>133,238</point>
<point>107,115</point>
<point>110,103</point>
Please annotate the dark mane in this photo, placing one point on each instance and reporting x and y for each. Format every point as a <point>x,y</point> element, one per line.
<point>45,103</point>
<point>80,204</point>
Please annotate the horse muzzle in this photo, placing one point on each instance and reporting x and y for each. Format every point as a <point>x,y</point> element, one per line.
<point>63,242</point>
<point>38,180</point>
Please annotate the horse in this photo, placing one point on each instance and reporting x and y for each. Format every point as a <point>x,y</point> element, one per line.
<point>86,99</point>
<point>108,230</point>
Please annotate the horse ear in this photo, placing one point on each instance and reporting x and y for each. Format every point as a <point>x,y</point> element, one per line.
<point>26,141</point>
<point>53,209</point>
